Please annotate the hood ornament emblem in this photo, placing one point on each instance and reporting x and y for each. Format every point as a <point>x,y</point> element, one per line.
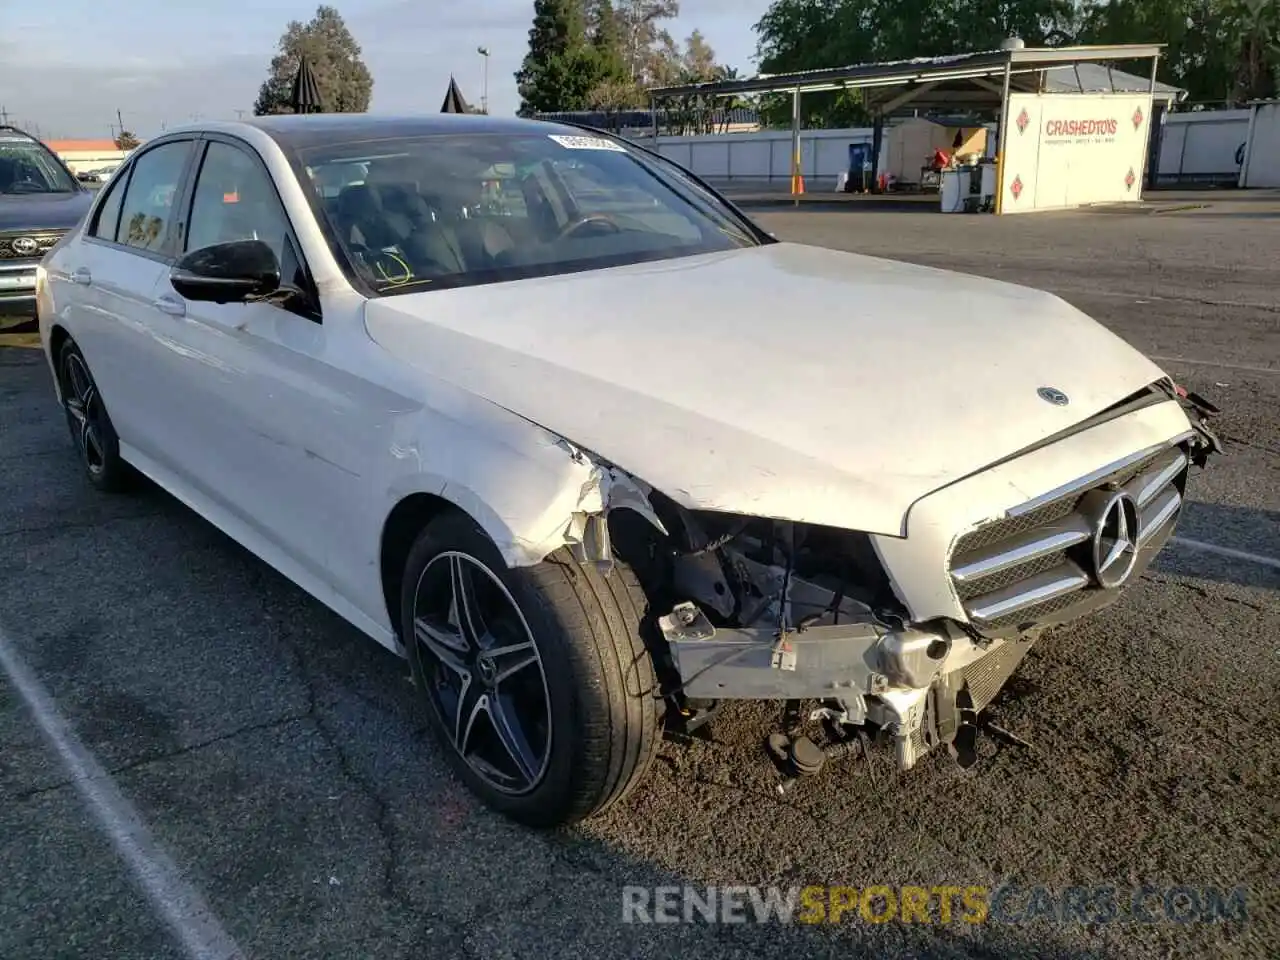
<point>1115,541</point>
<point>1053,395</point>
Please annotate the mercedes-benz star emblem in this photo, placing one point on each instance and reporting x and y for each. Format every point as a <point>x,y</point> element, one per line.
<point>1115,541</point>
<point>1053,395</point>
<point>25,246</point>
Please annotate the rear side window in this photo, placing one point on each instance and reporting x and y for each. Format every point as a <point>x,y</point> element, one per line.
<point>108,219</point>
<point>149,201</point>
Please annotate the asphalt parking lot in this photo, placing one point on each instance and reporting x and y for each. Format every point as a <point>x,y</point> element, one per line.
<point>279,760</point>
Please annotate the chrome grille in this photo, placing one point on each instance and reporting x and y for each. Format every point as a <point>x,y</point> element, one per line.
<point>44,243</point>
<point>999,530</point>
<point>1035,562</point>
<point>1007,577</point>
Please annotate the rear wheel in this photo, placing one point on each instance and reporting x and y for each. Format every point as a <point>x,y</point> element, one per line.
<point>537,680</point>
<point>95,438</point>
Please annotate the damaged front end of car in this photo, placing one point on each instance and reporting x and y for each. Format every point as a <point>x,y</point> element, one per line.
<point>748,608</point>
<point>751,608</point>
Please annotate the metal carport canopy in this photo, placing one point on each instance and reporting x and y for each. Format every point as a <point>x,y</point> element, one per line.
<point>964,80</point>
<point>934,71</point>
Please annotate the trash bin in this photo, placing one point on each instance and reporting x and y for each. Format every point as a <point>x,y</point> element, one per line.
<point>988,191</point>
<point>859,168</point>
<point>953,189</point>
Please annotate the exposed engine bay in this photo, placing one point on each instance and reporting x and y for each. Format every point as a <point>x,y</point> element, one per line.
<point>754,608</point>
<point>773,610</point>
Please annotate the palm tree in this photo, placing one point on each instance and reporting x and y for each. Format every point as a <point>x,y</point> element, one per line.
<point>1259,53</point>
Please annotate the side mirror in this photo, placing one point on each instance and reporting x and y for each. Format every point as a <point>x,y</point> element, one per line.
<point>233,272</point>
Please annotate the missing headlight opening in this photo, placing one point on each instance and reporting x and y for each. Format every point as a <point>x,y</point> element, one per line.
<point>743,607</point>
<point>752,608</point>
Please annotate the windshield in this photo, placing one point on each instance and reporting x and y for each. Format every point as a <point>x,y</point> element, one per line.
<point>27,167</point>
<point>453,210</point>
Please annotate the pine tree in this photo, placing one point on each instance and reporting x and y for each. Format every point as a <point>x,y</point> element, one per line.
<point>605,33</point>
<point>344,81</point>
<point>557,44</point>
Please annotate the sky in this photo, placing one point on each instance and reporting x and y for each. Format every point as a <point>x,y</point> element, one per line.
<point>67,66</point>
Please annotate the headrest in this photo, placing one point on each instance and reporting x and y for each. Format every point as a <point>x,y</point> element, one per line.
<point>358,199</point>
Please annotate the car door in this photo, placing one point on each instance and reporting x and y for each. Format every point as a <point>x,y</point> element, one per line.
<point>111,280</point>
<point>279,426</point>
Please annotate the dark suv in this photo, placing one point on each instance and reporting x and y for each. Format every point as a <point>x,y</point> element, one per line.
<point>40,200</point>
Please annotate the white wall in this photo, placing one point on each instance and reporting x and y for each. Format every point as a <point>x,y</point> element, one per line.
<point>1202,144</point>
<point>1261,167</point>
<point>1068,150</point>
<point>766,154</point>
<point>1198,144</point>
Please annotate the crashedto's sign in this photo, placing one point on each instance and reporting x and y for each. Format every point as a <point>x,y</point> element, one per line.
<point>1067,150</point>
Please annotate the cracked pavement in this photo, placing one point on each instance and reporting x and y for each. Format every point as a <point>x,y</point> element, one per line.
<point>281,759</point>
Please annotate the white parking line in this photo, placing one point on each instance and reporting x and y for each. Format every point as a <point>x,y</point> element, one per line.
<point>1228,552</point>
<point>1214,363</point>
<point>181,906</point>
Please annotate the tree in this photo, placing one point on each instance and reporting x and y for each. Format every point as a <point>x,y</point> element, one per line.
<point>695,63</point>
<point>1218,50</point>
<point>611,97</point>
<point>808,34</point>
<point>602,54</point>
<point>561,67</point>
<point>603,26</point>
<point>125,140</point>
<point>1257,57</point>
<point>646,49</point>
<point>605,35</point>
<point>344,81</point>
<point>698,60</point>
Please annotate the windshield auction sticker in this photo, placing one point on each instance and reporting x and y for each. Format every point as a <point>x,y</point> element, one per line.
<point>587,143</point>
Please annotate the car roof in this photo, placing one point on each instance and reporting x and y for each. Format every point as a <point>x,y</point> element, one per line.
<point>9,130</point>
<point>300,131</point>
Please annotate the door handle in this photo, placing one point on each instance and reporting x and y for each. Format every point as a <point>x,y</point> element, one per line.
<point>82,276</point>
<point>170,305</point>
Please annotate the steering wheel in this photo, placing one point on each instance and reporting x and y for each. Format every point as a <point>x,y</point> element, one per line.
<point>27,184</point>
<point>590,220</point>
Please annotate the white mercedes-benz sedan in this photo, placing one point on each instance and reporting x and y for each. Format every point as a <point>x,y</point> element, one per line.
<point>541,412</point>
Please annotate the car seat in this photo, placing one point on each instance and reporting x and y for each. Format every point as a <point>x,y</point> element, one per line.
<point>393,216</point>
<point>484,240</point>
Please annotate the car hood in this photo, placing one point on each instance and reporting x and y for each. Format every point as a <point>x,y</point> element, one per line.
<point>781,381</point>
<point>40,212</point>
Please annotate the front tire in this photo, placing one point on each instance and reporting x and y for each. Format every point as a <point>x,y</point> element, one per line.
<point>537,681</point>
<point>95,437</point>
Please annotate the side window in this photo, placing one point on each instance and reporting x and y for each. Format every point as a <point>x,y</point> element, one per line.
<point>108,218</point>
<point>148,210</point>
<point>235,200</point>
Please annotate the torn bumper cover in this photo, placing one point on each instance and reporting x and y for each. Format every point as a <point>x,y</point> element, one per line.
<point>912,683</point>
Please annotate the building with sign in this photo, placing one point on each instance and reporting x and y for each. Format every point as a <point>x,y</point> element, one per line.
<point>1066,150</point>
<point>83,156</point>
<point>1069,128</point>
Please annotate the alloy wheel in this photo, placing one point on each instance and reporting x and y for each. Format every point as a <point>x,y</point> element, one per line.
<point>483,672</point>
<point>84,412</point>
